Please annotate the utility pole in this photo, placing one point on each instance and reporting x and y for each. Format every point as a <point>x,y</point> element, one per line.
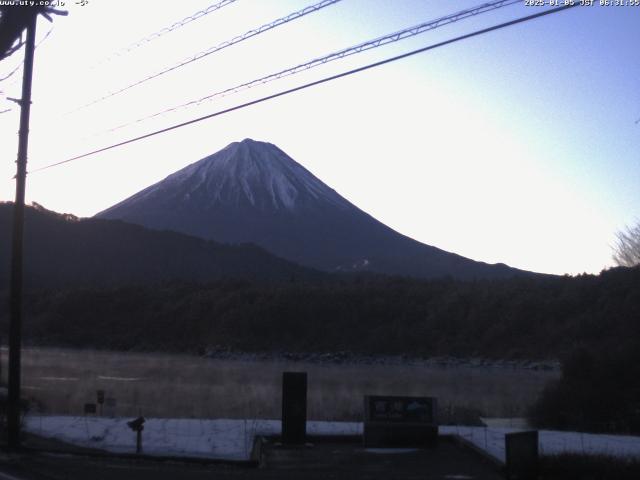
<point>15,292</point>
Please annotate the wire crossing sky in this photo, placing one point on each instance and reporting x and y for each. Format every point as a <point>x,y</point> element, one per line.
<point>308,85</point>
<point>181,23</point>
<point>519,146</point>
<point>361,47</point>
<point>228,43</point>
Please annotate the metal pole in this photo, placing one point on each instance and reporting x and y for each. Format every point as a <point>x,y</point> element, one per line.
<point>139,441</point>
<point>15,292</point>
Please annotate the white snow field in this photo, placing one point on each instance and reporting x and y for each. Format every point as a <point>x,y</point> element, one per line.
<point>233,439</point>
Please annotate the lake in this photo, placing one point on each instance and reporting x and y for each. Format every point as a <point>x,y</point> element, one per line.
<point>62,381</point>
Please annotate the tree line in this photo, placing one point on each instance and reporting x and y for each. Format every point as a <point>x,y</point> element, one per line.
<point>532,318</point>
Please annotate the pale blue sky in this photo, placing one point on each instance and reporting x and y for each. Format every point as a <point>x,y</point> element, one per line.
<point>519,146</point>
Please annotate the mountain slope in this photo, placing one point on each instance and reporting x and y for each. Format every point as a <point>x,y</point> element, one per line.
<point>64,251</point>
<point>254,192</point>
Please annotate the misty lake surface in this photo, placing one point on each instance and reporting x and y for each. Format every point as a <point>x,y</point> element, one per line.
<point>62,381</point>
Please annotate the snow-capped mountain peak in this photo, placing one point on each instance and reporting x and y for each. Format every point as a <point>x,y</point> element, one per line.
<point>254,192</point>
<point>251,173</point>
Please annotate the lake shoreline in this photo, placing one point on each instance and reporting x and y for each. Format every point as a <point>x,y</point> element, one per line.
<point>349,358</point>
<point>335,358</point>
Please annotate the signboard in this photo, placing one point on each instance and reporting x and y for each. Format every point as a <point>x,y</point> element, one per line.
<point>400,409</point>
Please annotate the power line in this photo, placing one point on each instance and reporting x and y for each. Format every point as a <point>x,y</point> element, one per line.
<point>11,73</point>
<point>170,28</point>
<point>361,47</point>
<point>313,84</point>
<point>251,33</point>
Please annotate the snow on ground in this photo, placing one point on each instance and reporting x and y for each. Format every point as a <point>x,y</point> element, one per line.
<point>233,439</point>
<point>222,438</point>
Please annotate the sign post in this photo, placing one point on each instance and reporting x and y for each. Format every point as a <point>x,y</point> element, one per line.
<point>100,398</point>
<point>137,425</point>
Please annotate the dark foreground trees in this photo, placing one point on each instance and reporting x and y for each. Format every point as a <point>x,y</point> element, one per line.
<point>599,392</point>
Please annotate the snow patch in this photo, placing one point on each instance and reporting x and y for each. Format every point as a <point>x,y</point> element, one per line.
<point>219,439</point>
<point>233,439</point>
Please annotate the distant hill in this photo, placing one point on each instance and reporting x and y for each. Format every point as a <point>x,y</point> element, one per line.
<point>254,192</point>
<point>65,251</point>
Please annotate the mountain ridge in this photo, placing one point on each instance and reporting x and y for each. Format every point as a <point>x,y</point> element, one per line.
<point>254,192</point>
<point>64,251</point>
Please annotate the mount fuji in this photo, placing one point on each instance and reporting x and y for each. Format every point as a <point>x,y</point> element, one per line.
<point>253,192</point>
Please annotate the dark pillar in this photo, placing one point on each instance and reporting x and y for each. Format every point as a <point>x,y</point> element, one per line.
<point>294,407</point>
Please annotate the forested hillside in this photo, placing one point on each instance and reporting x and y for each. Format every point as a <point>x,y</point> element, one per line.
<point>517,318</point>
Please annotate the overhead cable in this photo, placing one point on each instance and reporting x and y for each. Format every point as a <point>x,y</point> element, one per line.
<point>251,33</point>
<point>312,84</point>
<point>170,28</point>
<point>361,47</point>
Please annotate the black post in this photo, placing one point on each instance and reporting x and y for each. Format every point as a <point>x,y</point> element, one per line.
<point>294,408</point>
<point>15,293</point>
<point>137,425</point>
<point>139,441</point>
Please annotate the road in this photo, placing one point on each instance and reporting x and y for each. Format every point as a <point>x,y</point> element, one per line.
<point>319,461</point>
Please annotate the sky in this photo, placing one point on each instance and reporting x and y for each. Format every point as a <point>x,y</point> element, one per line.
<point>518,146</point>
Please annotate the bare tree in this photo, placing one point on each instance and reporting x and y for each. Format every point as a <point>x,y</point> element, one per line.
<point>626,251</point>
